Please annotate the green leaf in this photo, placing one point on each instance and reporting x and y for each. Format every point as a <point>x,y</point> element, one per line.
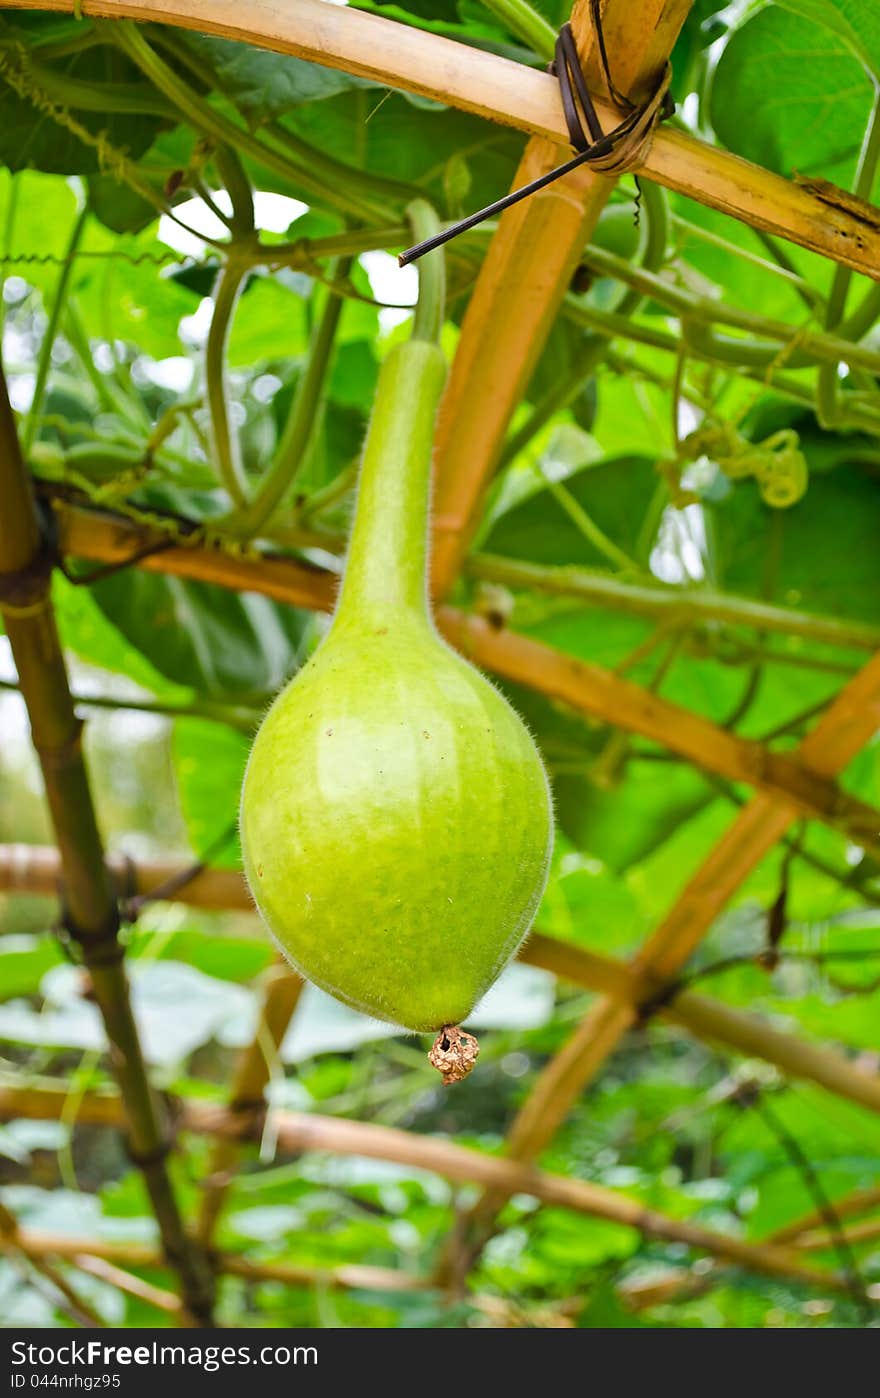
<point>31,139</point>
<point>266,85</point>
<point>791,96</point>
<point>220,643</point>
<point>209,761</point>
<point>88,631</point>
<point>853,21</point>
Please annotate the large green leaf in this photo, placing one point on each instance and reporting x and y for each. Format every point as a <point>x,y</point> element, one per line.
<point>615,494</point>
<point>791,96</point>
<point>219,643</point>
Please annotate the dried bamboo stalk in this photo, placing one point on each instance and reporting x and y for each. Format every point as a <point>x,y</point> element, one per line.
<point>39,1243</point>
<point>124,1281</point>
<point>867,1231</point>
<point>13,1244</point>
<point>297,1132</point>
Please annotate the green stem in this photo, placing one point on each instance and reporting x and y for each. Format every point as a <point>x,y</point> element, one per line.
<point>304,252</point>
<point>136,99</point>
<point>393,194</point>
<point>243,719</point>
<point>588,527</point>
<point>225,442</point>
<point>864,317</point>
<point>299,429</point>
<point>386,567</point>
<point>321,500</point>
<point>431,306</point>
<point>558,396</point>
<point>809,344</point>
<point>108,398</point>
<point>527,24</point>
<point>85,38</point>
<point>828,397</point>
<point>44,363</point>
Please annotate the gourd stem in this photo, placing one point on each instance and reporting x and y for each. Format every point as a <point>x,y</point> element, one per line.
<point>432,274</point>
<point>386,571</point>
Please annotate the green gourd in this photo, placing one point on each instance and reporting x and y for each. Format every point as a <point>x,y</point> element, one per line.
<point>396,818</point>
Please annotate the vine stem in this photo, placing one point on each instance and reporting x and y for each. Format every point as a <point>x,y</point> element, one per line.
<point>44,363</point>
<point>690,606</point>
<point>299,430</point>
<point>226,452</point>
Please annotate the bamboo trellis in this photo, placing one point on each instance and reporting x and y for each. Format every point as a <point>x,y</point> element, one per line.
<point>532,255</point>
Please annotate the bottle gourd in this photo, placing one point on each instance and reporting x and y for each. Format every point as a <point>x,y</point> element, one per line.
<point>396,818</point>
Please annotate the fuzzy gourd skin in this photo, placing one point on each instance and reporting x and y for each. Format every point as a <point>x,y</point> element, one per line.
<point>396,818</point>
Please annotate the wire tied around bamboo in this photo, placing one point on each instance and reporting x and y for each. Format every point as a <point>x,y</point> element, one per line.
<point>612,153</point>
<point>631,139</point>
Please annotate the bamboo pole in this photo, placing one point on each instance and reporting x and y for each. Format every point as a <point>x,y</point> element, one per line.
<point>298,1132</point>
<point>585,687</point>
<point>512,94</point>
<point>36,869</point>
<point>590,689</point>
<point>281,992</point>
<point>90,907</point>
<point>698,1014</point>
<point>526,272</point>
<point>821,1240</point>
